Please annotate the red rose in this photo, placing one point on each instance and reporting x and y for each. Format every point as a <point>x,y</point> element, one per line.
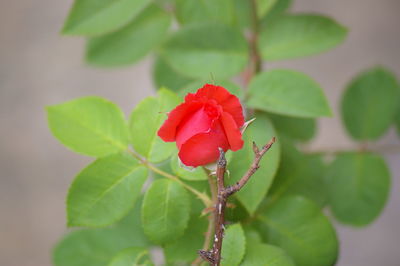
<point>208,119</point>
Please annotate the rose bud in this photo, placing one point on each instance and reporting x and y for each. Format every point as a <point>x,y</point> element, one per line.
<point>209,119</point>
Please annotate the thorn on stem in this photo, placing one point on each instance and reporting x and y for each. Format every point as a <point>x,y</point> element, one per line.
<point>246,124</point>
<point>228,173</point>
<point>255,148</point>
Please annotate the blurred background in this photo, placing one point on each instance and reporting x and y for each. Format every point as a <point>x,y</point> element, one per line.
<point>39,67</point>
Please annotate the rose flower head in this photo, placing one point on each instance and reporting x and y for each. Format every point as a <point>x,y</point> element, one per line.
<point>209,119</point>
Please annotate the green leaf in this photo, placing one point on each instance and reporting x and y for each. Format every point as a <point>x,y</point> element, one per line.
<point>96,247</point>
<point>132,256</point>
<point>369,104</point>
<point>195,85</point>
<point>185,173</point>
<point>252,235</point>
<point>95,17</point>
<point>270,9</point>
<point>197,204</point>
<point>277,9</point>
<point>191,53</point>
<point>90,125</point>
<point>302,129</point>
<point>165,76</point>
<point>300,174</point>
<point>145,121</point>
<point>242,13</point>
<point>358,187</point>
<point>264,6</point>
<point>164,166</point>
<point>184,250</point>
<point>88,248</point>
<point>195,11</point>
<point>239,212</point>
<point>105,191</point>
<point>131,227</point>
<point>299,227</point>
<point>130,43</point>
<point>258,254</point>
<point>287,92</point>
<point>260,131</point>
<point>233,246</point>
<point>292,36</point>
<point>165,211</point>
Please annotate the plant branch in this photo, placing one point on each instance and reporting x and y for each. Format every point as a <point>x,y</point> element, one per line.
<point>255,57</point>
<point>210,227</point>
<point>384,149</point>
<point>253,168</point>
<point>202,196</point>
<point>223,193</point>
<point>219,217</point>
<point>211,183</point>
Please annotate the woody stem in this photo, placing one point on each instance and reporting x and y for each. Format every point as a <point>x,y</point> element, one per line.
<point>219,217</point>
<point>223,193</point>
<point>254,52</point>
<point>210,227</point>
<point>214,256</point>
<point>255,62</point>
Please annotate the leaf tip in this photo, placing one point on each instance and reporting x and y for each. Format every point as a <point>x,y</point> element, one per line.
<point>48,108</point>
<point>68,28</point>
<point>64,30</point>
<point>70,222</point>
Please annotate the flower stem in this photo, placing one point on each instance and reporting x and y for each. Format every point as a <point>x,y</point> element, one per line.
<point>213,256</point>
<point>210,227</point>
<point>255,64</point>
<point>255,54</point>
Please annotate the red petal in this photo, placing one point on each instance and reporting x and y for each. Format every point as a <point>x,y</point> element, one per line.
<point>167,132</point>
<point>232,132</point>
<point>202,148</point>
<point>197,122</point>
<point>229,102</point>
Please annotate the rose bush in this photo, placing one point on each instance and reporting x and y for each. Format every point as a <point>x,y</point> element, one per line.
<point>209,119</point>
<point>134,196</point>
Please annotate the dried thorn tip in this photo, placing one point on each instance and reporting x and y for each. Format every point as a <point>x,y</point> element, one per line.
<point>255,148</point>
